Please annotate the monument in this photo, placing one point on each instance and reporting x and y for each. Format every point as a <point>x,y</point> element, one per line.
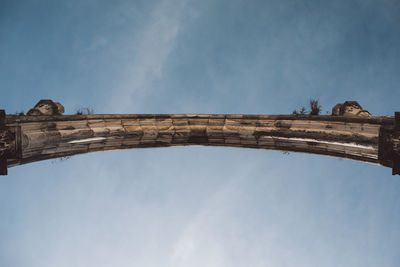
<point>350,132</point>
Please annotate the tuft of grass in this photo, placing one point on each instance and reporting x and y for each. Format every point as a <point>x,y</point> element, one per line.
<point>302,111</point>
<point>84,111</point>
<point>315,107</point>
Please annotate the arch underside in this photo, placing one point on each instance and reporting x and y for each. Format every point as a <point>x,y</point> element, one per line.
<point>47,137</point>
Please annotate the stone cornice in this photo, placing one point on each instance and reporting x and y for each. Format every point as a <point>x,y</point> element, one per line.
<point>28,139</point>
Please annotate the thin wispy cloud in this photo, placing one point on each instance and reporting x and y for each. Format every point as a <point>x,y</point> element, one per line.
<point>156,42</point>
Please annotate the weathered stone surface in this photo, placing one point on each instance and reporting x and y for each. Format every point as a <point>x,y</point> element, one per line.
<point>350,109</point>
<point>308,135</point>
<point>348,134</point>
<point>47,108</point>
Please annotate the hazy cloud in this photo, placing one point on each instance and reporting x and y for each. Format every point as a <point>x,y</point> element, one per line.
<point>156,42</point>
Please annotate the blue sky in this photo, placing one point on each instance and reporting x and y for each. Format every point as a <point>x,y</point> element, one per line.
<point>199,206</point>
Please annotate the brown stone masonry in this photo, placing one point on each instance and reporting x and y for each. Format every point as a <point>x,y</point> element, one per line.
<point>34,138</point>
<point>350,132</point>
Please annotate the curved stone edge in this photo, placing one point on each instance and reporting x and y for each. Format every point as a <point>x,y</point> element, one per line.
<point>386,156</point>
<point>11,119</point>
<point>60,138</point>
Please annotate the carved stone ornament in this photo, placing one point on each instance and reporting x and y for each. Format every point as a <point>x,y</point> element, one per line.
<point>350,109</point>
<point>47,108</point>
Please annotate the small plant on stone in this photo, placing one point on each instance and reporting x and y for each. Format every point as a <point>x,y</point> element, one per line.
<point>84,111</point>
<point>314,107</point>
